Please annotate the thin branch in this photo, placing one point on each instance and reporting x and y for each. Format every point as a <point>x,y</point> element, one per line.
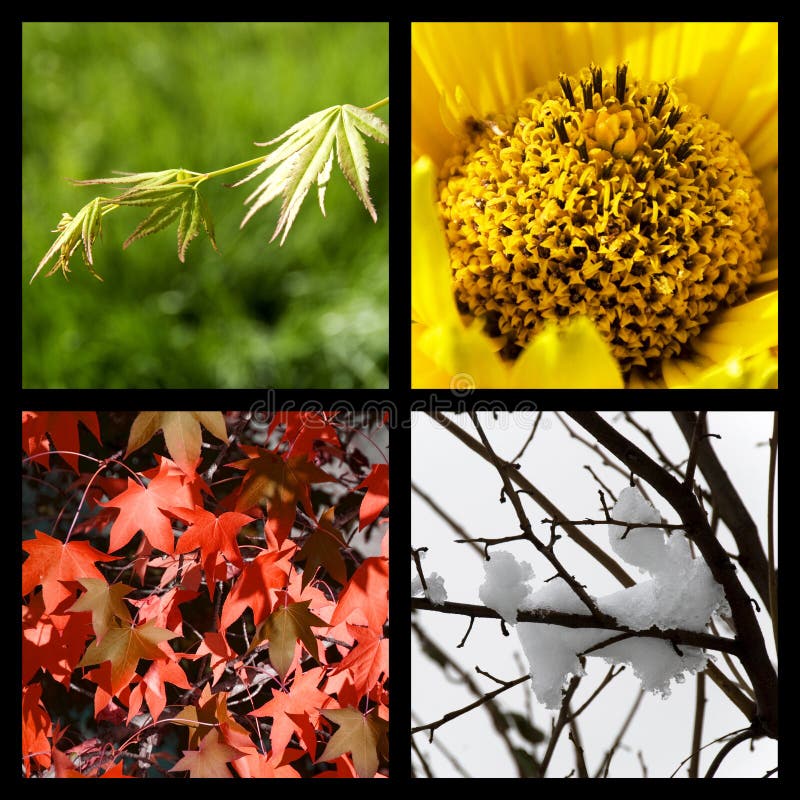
<point>605,765</point>
<point>428,773</point>
<point>444,515</point>
<point>575,738</point>
<point>719,758</point>
<point>731,508</point>
<point>547,506</point>
<point>525,525</point>
<point>563,717</point>
<point>440,657</point>
<point>569,620</point>
<point>698,434</point>
<point>610,675</point>
<point>446,753</point>
<point>740,681</point>
<point>753,653</point>
<point>415,556</point>
<point>772,585</point>
<point>594,475</point>
<point>697,733</point>
<point>451,715</point>
<point>524,447</point>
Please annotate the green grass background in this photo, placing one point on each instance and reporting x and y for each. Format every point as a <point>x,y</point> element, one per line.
<point>135,97</point>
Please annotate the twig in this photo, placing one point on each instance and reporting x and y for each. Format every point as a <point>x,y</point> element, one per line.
<point>415,556</point>
<point>697,733</point>
<point>641,763</point>
<point>569,620</point>
<point>446,753</point>
<point>525,525</point>
<point>440,657</point>
<point>451,715</point>
<point>524,447</point>
<point>718,759</point>
<point>594,475</point>
<point>605,765</point>
<point>550,508</point>
<point>771,582</point>
<point>558,726</point>
<point>698,434</point>
<point>610,675</point>
<point>574,737</point>
<point>444,515</point>
<point>428,773</point>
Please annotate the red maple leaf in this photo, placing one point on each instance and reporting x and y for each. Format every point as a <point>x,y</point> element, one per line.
<point>365,599</point>
<point>377,496</point>
<point>367,660</point>
<point>302,697</point>
<point>213,535</point>
<point>63,429</point>
<point>54,564</point>
<point>251,590</point>
<point>140,510</point>
<point>279,485</point>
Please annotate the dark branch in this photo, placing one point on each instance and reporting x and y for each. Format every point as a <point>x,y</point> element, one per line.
<point>567,620</point>
<point>753,653</point>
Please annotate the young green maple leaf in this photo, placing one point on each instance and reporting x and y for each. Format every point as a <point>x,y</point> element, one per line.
<point>306,157</point>
<point>363,736</point>
<point>82,229</point>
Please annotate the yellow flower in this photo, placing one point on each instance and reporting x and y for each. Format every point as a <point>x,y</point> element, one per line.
<point>587,205</point>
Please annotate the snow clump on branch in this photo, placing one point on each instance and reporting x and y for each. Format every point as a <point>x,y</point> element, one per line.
<point>681,594</point>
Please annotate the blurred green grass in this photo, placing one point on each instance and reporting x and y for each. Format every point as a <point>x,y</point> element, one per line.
<point>134,97</point>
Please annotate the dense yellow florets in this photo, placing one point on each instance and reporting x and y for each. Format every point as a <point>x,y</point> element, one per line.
<point>603,199</point>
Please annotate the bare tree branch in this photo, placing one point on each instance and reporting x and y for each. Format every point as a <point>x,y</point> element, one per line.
<point>567,620</point>
<point>697,733</point>
<point>550,508</point>
<point>731,509</point>
<point>753,653</point>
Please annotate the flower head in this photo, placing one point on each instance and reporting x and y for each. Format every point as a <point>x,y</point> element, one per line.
<point>600,227</point>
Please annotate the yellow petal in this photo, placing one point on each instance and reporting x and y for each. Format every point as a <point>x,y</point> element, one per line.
<point>570,357</point>
<point>432,300</point>
<point>457,358</point>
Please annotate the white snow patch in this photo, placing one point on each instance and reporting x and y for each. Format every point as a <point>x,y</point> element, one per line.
<point>506,586</point>
<point>436,593</point>
<point>681,594</point>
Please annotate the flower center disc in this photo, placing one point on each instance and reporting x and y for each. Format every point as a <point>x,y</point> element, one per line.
<point>606,200</point>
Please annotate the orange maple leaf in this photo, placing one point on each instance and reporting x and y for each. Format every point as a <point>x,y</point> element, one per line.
<point>52,563</point>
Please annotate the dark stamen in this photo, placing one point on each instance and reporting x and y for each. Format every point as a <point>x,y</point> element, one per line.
<point>566,87</point>
<point>607,167</point>
<point>582,150</point>
<point>662,139</point>
<point>597,77</point>
<point>660,167</point>
<point>588,99</point>
<point>559,125</point>
<point>662,96</point>
<point>674,116</point>
<point>683,150</point>
<point>622,71</point>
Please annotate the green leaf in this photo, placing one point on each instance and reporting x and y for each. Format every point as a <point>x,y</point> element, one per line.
<point>141,178</point>
<point>173,201</point>
<point>82,229</point>
<point>306,157</point>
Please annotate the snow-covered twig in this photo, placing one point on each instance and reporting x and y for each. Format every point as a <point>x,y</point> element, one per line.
<point>568,620</point>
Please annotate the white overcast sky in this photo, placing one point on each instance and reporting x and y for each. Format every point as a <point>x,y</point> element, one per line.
<point>468,488</point>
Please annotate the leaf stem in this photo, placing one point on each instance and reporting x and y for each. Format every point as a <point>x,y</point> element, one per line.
<point>379,104</point>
